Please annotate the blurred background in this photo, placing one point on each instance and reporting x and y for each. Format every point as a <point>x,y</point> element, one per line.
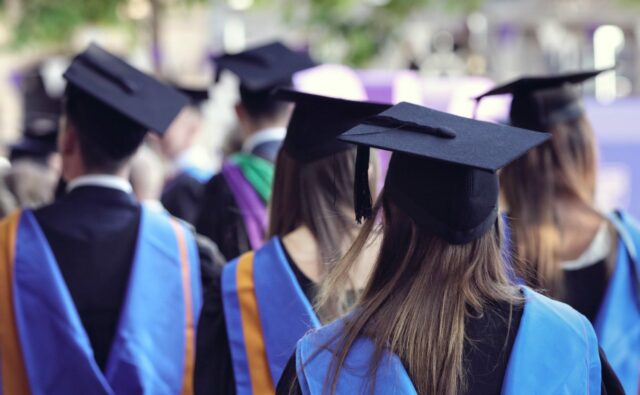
<point>434,52</point>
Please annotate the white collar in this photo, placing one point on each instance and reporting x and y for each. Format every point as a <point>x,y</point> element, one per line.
<point>263,136</point>
<point>598,250</point>
<point>100,180</point>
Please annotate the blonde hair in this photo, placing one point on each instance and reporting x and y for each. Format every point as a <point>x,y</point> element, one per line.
<point>564,167</point>
<point>418,295</point>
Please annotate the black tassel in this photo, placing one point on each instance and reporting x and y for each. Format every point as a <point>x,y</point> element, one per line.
<point>361,191</point>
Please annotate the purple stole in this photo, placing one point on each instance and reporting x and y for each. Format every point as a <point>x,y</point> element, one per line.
<point>44,348</point>
<point>253,209</point>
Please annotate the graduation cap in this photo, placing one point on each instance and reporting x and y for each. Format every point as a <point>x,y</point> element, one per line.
<point>264,67</point>
<point>132,93</point>
<point>317,121</point>
<point>197,96</point>
<point>540,103</point>
<point>443,169</point>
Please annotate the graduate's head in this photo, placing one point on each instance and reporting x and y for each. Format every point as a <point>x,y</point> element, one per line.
<point>257,110</point>
<point>314,172</point>
<point>103,138</point>
<point>562,169</point>
<point>440,259</point>
<point>260,70</point>
<point>109,106</point>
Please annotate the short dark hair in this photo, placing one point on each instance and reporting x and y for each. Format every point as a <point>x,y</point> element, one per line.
<point>107,138</point>
<point>260,104</point>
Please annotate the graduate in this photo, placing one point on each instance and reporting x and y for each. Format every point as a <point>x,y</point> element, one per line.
<point>233,210</point>
<point>581,256</point>
<point>266,297</point>
<point>439,314</point>
<point>99,295</point>
<point>183,190</point>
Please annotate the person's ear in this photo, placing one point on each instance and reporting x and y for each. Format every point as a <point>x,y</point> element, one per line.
<point>68,139</point>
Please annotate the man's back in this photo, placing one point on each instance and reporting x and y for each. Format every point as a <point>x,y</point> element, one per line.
<point>92,232</point>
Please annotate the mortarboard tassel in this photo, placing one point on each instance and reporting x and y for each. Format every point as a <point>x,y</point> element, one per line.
<point>362,192</point>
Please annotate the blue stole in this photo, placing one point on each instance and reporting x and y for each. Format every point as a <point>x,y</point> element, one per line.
<point>153,349</point>
<point>555,351</point>
<point>199,173</point>
<point>618,320</point>
<point>266,313</point>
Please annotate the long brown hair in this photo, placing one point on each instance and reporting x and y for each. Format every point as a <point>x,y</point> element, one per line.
<point>563,167</point>
<point>417,298</point>
<point>318,195</point>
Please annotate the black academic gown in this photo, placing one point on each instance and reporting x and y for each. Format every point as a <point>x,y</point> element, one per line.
<point>182,195</point>
<point>488,344</point>
<point>219,217</point>
<point>92,232</point>
<point>214,366</point>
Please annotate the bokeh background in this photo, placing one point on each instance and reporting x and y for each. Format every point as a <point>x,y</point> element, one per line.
<point>438,53</point>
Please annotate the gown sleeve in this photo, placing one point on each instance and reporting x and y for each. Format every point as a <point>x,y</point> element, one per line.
<point>610,383</point>
<point>214,369</point>
<point>288,383</point>
<point>219,218</point>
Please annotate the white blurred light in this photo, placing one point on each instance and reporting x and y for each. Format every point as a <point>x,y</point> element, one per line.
<point>608,40</point>
<point>234,35</point>
<point>407,86</point>
<point>240,5</point>
<point>52,70</point>
<point>378,3</point>
<point>331,80</point>
<point>477,22</point>
<point>138,9</point>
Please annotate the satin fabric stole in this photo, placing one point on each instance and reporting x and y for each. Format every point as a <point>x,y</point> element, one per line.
<point>252,208</point>
<point>266,313</point>
<point>618,321</point>
<point>148,345</point>
<point>555,352</point>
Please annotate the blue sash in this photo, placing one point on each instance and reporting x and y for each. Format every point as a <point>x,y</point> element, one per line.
<point>153,350</point>
<point>618,321</point>
<point>266,313</point>
<point>555,352</point>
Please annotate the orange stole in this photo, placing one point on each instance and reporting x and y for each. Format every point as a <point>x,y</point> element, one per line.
<point>189,357</point>
<point>261,381</point>
<point>14,373</point>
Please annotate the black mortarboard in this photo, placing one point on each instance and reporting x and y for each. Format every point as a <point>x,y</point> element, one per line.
<point>264,67</point>
<point>540,103</point>
<point>317,121</point>
<point>132,93</point>
<point>196,96</point>
<point>443,170</point>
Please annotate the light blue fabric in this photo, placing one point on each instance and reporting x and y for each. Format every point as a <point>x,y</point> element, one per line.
<point>285,313</point>
<point>147,355</point>
<point>618,322</point>
<point>200,174</point>
<point>555,352</point>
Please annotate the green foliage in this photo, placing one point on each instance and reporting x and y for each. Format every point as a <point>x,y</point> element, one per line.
<point>53,21</point>
<point>361,24</point>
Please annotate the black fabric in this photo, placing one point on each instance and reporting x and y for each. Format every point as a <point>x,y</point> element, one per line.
<point>92,232</point>
<point>181,197</point>
<point>585,288</point>
<point>311,134</point>
<point>268,150</point>
<point>263,67</point>
<point>127,90</point>
<point>485,359</point>
<point>458,204</point>
<point>219,218</point>
<point>540,103</point>
<point>442,170</point>
<point>214,366</point>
